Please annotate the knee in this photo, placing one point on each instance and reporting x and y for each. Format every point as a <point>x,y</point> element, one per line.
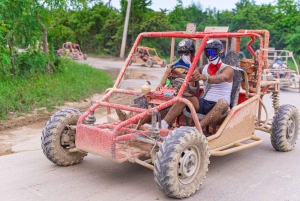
<point>222,104</point>
<point>222,101</point>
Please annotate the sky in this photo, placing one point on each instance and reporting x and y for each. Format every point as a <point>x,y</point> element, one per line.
<point>169,4</point>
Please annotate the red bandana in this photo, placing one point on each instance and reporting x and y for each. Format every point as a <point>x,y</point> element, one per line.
<point>212,68</point>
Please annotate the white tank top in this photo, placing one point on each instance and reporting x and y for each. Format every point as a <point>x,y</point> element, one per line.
<point>217,91</point>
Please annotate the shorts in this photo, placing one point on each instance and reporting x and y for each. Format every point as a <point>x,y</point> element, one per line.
<point>205,106</point>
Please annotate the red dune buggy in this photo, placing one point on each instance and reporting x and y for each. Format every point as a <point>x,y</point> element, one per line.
<point>72,50</point>
<point>179,157</point>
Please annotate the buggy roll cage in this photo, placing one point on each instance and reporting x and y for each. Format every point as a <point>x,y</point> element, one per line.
<point>205,36</point>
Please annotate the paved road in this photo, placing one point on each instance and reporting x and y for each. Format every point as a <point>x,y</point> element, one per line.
<point>259,173</point>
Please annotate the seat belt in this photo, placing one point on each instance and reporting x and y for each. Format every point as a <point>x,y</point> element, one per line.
<point>208,85</point>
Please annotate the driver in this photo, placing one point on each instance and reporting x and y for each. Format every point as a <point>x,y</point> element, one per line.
<point>280,67</point>
<point>217,78</point>
<point>186,51</point>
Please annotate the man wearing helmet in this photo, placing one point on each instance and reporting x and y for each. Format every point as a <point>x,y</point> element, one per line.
<point>217,78</point>
<point>186,51</point>
<point>278,65</point>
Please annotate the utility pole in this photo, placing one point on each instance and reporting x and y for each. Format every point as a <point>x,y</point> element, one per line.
<point>125,30</point>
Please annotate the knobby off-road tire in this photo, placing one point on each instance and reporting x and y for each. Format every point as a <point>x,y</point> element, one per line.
<point>285,128</point>
<point>164,63</point>
<point>149,63</point>
<point>85,57</point>
<point>182,162</point>
<point>51,138</point>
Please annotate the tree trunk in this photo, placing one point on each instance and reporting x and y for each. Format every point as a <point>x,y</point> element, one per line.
<point>12,56</point>
<point>45,43</point>
<point>45,39</point>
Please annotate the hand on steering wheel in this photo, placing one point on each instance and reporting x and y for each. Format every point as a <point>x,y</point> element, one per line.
<point>191,90</point>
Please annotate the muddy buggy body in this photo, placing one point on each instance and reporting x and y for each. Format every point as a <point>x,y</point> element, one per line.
<point>72,51</point>
<point>148,57</point>
<point>179,156</point>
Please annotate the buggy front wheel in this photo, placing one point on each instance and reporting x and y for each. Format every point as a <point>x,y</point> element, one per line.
<point>182,162</point>
<point>85,57</point>
<point>164,63</point>
<point>58,137</point>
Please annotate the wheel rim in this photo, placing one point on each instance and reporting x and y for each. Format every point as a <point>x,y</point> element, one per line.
<point>188,164</point>
<point>290,129</point>
<point>66,139</point>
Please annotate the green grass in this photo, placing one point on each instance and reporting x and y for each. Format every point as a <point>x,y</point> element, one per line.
<point>76,82</point>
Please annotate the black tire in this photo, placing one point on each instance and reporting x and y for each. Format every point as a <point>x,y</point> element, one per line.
<point>164,64</point>
<point>182,162</point>
<point>51,138</point>
<point>149,63</point>
<point>285,128</point>
<point>85,57</point>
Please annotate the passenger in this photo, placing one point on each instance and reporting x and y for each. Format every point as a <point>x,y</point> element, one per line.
<point>145,56</point>
<point>217,99</point>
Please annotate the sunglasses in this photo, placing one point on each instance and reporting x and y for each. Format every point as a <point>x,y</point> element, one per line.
<point>210,53</point>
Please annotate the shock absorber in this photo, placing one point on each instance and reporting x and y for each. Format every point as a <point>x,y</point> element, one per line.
<point>275,101</point>
<point>156,118</point>
<point>90,119</point>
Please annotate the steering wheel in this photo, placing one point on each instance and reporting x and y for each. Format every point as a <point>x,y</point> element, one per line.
<point>177,82</point>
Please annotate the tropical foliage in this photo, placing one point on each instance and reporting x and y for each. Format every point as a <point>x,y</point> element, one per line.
<point>98,27</point>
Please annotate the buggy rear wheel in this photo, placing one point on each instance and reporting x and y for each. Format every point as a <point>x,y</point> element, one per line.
<point>58,138</point>
<point>182,162</point>
<point>149,63</point>
<point>85,57</point>
<point>164,63</point>
<point>285,128</point>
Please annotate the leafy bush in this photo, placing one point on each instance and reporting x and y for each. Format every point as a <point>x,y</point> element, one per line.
<point>31,61</point>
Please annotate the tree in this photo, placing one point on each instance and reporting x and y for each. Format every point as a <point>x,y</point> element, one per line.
<point>287,19</point>
<point>157,23</point>
<point>4,54</point>
<point>20,25</point>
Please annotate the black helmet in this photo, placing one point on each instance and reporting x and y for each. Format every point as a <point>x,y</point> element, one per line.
<point>213,48</point>
<point>186,46</point>
<point>278,58</point>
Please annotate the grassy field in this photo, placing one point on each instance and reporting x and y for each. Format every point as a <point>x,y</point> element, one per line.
<point>76,82</point>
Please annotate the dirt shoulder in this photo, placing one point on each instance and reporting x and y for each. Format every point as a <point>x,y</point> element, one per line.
<point>34,117</point>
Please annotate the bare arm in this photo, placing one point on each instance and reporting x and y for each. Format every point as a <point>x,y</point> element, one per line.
<point>225,76</point>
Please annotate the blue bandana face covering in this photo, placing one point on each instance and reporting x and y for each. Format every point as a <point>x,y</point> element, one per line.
<point>210,53</point>
<point>278,61</point>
